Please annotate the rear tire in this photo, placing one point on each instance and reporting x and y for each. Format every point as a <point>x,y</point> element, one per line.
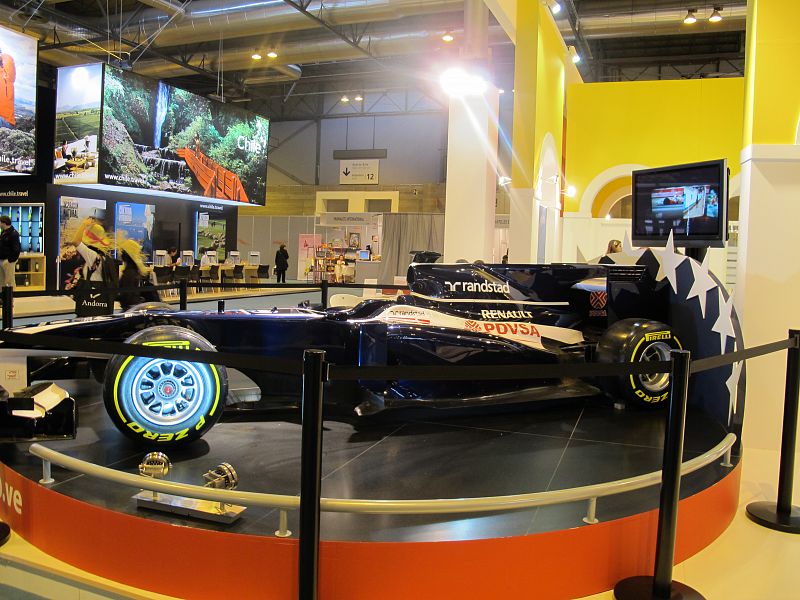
<point>633,341</point>
<point>164,402</point>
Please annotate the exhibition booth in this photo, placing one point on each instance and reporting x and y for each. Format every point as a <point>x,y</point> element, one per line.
<point>542,403</point>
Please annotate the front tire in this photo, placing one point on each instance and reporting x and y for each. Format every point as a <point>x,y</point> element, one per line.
<point>164,402</point>
<point>633,341</point>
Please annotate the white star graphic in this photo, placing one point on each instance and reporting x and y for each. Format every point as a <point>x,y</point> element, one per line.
<point>732,384</point>
<point>702,283</point>
<point>581,256</point>
<point>724,323</point>
<point>668,263</point>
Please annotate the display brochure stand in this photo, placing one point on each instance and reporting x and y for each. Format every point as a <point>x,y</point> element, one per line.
<point>661,586</point>
<point>782,516</point>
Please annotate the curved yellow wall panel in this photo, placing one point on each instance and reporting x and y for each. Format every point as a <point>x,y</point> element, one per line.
<point>648,123</point>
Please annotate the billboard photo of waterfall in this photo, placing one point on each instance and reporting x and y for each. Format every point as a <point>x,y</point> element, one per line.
<point>17,103</point>
<point>78,99</point>
<point>160,137</point>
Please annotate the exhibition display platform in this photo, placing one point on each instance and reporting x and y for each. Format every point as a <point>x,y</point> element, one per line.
<point>400,456</point>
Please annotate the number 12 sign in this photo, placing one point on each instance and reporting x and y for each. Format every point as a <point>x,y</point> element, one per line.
<point>359,172</point>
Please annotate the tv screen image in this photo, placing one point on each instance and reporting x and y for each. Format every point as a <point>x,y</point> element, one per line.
<point>688,200</point>
<point>17,103</point>
<point>78,100</point>
<point>210,235</point>
<point>159,137</point>
<point>136,222</point>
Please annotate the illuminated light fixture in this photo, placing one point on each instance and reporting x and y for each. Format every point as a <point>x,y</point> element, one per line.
<point>554,6</point>
<point>456,82</point>
<point>501,91</point>
<point>715,16</point>
<point>503,180</point>
<point>358,98</point>
<point>448,37</point>
<point>256,56</point>
<point>608,217</point>
<point>690,18</point>
<point>573,53</point>
<point>570,192</point>
<point>345,99</point>
<point>272,54</point>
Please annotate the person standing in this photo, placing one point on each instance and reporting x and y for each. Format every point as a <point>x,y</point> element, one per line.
<point>9,250</point>
<point>281,263</point>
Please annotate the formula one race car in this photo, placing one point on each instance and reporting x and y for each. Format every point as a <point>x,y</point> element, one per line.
<point>465,314</point>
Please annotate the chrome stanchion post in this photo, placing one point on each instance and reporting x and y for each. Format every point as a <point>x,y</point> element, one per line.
<point>782,516</point>
<point>8,306</point>
<point>310,473</point>
<point>661,586</point>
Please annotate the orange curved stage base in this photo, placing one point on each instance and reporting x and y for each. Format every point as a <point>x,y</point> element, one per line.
<point>195,563</point>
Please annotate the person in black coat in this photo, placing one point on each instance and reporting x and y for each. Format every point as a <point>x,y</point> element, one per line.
<point>9,251</point>
<point>281,263</point>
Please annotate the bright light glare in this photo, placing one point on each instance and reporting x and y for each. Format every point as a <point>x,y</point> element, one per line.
<point>358,98</point>
<point>448,37</point>
<point>690,19</point>
<point>503,180</point>
<point>715,16</point>
<point>272,54</point>
<point>556,8</point>
<point>345,99</point>
<point>571,191</point>
<point>256,56</point>
<point>608,217</point>
<point>457,82</point>
<point>501,91</point>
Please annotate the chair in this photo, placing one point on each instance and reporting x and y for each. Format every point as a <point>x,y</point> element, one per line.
<point>163,277</point>
<point>212,276</point>
<point>236,275</point>
<point>262,274</point>
<point>181,273</point>
<point>194,277</point>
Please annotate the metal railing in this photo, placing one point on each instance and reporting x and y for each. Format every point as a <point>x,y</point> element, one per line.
<point>284,502</point>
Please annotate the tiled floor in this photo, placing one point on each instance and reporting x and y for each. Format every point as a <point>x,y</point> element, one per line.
<point>404,456</point>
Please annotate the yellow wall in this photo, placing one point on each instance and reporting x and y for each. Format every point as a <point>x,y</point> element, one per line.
<point>773,78</point>
<point>651,123</point>
<point>550,85</point>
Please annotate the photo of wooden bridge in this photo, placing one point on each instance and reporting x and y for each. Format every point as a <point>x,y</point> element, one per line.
<point>216,181</point>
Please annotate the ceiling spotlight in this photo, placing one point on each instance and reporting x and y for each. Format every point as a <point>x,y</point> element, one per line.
<point>570,192</point>
<point>256,56</point>
<point>554,6</point>
<point>501,91</point>
<point>272,54</point>
<point>448,37</point>
<point>573,52</point>
<point>715,16</point>
<point>457,82</point>
<point>690,17</point>
<point>345,99</point>
<point>358,98</point>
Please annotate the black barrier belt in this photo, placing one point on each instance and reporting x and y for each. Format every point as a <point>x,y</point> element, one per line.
<point>480,373</point>
<point>94,290</point>
<point>283,366</point>
<point>714,362</point>
<point>415,373</point>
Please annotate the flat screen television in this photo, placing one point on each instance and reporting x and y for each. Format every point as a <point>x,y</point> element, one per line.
<point>690,200</point>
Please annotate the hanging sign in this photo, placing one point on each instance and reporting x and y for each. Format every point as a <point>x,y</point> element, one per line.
<point>359,172</point>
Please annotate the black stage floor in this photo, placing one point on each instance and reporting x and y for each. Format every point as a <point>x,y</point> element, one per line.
<point>406,457</point>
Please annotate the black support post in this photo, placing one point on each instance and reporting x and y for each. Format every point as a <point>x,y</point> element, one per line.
<point>220,306</point>
<point>8,307</point>
<point>310,473</point>
<point>782,516</point>
<point>323,286</point>
<point>661,586</point>
<point>183,293</point>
